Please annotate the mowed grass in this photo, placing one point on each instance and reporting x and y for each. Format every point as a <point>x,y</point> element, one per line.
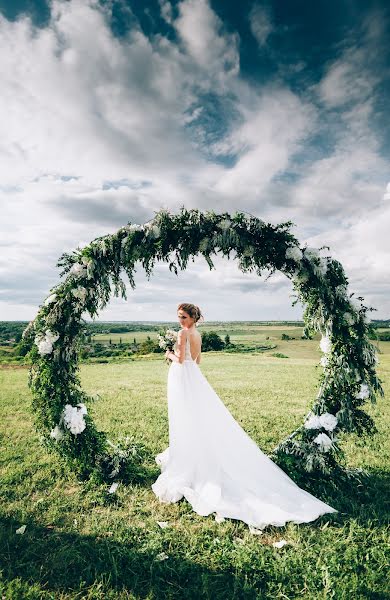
<point>81,542</point>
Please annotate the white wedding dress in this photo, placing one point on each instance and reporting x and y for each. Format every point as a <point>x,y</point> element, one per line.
<point>216,466</point>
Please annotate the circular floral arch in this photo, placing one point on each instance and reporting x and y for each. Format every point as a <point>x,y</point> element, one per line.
<point>62,409</point>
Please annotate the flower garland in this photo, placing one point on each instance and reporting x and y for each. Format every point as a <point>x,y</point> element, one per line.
<point>90,273</point>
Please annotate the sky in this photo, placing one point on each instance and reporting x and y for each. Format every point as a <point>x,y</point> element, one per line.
<point>115,109</point>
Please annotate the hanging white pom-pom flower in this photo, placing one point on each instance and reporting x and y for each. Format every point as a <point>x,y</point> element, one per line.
<point>324,361</point>
<point>364,391</point>
<point>50,299</point>
<point>325,344</point>
<point>324,442</point>
<point>294,253</point>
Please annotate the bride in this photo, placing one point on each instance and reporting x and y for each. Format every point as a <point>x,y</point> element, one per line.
<point>211,460</point>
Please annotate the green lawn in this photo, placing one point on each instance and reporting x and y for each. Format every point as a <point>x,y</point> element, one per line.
<point>81,542</point>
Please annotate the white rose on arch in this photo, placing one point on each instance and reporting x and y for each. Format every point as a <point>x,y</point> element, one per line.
<point>326,344</point>
<point>295,253</point>
<point>326,420</point>
<point>364,391</point>
<point>324,442</point>
<point>74,417</point>
<point>45,342</point>
<point>311,253</point>
<point>313,422</point>
<point>44,347</point>
<point>77,270</point>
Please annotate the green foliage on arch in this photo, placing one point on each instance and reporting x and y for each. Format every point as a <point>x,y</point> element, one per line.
<point>62,410</point>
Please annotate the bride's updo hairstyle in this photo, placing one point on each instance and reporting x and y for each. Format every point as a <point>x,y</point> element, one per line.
<point>193,311</point>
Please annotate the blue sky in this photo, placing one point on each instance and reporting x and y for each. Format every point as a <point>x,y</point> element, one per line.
<point>113,110</point>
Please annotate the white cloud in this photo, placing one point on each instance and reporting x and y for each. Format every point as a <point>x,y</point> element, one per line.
<point>260,23</point>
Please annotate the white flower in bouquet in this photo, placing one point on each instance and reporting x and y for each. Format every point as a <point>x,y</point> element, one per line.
<point>50,299</point>
<point>325,344</point>
<point>312,422</point>
<point>80,293</point>
<point>294,253</point>
<point>168,339</point>
<point>324,442</point>
<point>364,391</point>
<point>349,318</point>
<point>77,270</point>
<point>56,433</point>
<point>311,253</point>
<point>134,227</point>
<point>328,421</point>
<point>74,418</point>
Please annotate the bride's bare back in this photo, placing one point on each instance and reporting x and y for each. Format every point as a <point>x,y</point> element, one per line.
<point>195,340</point>
<point>195,345</point>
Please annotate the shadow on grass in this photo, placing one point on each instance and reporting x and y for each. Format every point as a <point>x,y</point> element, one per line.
<point>365,499</point>
<point>69,562</point>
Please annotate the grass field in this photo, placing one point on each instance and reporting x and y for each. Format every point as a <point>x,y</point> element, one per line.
<point>81,542</point>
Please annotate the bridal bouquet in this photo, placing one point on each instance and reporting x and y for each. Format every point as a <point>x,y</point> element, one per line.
<point>167,340</point>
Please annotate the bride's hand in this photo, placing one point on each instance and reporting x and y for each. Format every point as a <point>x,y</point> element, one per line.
<point>167,352</point>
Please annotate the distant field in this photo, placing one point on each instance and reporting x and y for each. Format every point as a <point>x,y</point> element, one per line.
<point>297,348</point>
